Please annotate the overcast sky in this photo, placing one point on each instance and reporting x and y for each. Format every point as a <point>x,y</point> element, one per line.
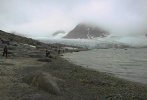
<point>43,17</point>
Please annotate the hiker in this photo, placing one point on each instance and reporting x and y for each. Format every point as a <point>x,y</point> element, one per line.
<point>59,51</point>
<point>5,51</point>
<point>47,53</point>
<point>63,50</point>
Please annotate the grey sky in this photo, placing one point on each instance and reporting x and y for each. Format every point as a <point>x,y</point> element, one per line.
<point>43,17</point>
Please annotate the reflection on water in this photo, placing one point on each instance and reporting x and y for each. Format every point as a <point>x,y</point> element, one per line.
<point>129,64</point>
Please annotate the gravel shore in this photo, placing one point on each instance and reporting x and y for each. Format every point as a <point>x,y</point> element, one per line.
<point>76,82</point>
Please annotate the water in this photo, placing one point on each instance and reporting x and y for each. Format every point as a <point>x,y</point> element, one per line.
<point>130,64</point>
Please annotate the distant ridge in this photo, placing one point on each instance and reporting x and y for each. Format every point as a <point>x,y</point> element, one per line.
<point>20,39</point>
<point>85,31</point>
<point>58,32</point>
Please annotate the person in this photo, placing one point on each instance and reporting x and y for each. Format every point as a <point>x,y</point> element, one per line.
<point>47,53</point>
<point>59,51</point>
<point>5,51</point>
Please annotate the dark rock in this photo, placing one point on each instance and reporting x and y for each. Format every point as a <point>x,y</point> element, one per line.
<point>43,81</point>
<point>45,60</point>
<point>37,97</point>
<point>96,82</point>
<point>9,52</point>
<point>33,97</point>
<point>35,56</point>
<point>113,97</point>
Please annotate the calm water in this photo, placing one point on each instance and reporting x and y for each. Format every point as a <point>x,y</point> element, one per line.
<point>129,64</point>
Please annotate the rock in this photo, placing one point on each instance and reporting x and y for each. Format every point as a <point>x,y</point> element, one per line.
<point>9,52</point>
<point>114,97</point>
<point>44,60</point>
<point>33,97</point>
<point>35,56</point>
<point>43,81</point>
<point>96,82</point>
<point>37,97</point>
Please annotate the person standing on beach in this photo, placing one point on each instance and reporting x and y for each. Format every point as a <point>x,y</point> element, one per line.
<point>5,51</point>
<point>59,51</point>
<point>47,53</point>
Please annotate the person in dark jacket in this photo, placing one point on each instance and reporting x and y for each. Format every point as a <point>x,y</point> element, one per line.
<point>5,51</point>
<point>47,53</point>
<point>59,51</point>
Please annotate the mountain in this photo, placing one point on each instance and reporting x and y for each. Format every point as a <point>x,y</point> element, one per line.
<point>85,31</point>
<point>58,32</point>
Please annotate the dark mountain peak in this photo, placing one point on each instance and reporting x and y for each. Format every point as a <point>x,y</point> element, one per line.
<point>85,30</point>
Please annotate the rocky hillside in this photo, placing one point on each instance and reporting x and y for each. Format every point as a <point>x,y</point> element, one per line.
<point>15,38</point>
<point>85,31</point>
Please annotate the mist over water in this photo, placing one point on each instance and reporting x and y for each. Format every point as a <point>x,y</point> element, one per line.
<point>107,42</point>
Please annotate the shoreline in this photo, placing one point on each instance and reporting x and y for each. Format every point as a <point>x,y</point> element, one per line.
<point>105,73</point>
<point>76,59</point>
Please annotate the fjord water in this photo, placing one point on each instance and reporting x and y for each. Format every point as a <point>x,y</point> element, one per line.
<point>130,64</point>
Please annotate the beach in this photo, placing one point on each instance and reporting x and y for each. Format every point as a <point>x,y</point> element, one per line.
<point>74,82</point>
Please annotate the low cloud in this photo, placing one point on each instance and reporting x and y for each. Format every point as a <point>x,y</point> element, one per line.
<point>44,17</point>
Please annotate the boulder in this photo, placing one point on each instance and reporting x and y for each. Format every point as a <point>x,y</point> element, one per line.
<point>44,60</point>
<point>43,81</point>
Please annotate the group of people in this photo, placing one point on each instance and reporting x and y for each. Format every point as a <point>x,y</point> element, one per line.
<point>48,52</point>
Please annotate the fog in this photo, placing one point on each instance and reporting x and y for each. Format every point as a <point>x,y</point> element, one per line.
<point>41,18</point>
